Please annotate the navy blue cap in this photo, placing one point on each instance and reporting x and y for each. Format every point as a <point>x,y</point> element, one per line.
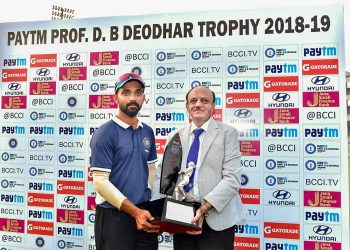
<point>127,77</point>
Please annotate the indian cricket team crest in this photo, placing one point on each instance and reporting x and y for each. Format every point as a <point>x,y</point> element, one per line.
<point>175,147</point>
<point>137,70</point>
<point>147,142</point>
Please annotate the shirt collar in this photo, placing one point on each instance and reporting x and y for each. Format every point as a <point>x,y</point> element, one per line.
<point>204,126</point>
<point>125,125</point>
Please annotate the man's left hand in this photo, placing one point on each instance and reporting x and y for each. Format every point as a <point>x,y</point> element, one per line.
<point>197,220</point>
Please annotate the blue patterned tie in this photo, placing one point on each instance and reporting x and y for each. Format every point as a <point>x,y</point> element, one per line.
<point>193,156</point>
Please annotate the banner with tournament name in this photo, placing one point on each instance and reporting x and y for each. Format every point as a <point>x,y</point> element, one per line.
<point>279,78</point>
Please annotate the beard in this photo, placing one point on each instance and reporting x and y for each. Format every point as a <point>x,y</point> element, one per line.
<point>130,112</point>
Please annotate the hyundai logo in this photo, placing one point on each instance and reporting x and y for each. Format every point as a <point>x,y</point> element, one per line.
<point>322,230</point>
<point>281,194</point>
<point>73,57</point>
<point>43,72</point>
<point>281,97</point>
<point>320,80</point>
<point>242,113</point>
<point>70,199</point>
<point>14,86</point>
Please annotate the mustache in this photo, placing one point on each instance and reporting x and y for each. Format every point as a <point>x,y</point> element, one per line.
<point>197,108</point>
<point>132,103</point>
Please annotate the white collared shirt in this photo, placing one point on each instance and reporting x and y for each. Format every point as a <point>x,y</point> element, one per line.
<point>201,138</point>
<point>125,125</point>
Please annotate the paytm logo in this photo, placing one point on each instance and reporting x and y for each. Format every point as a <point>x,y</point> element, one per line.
<point>47,215</point>
<point>246,229</point>
<point>281,68</point>
<point>15,62</point>
<point>12,198</point>
<point>174,116</point>
<point>281,246</point>
<point>164,131</point>
<point>281,132</point>
<point>251,133</point>
<point>13,130</point>
<point>44,186</point>
<point>243,85</point>
<point>217,101</point>
<point>71,130</point>
<point>93,129</point>
<point>42,130</point>
<point>322,216</point>
<point>322,132</point>
<point>73,174</point>
<point>70,231</point>
<point>321,51</point>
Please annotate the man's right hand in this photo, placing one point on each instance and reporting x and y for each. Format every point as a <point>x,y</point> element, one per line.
<point>143,219</point>
<point>141,216</point>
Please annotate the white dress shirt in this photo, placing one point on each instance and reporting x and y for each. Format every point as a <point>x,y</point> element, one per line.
<point>201,138</point>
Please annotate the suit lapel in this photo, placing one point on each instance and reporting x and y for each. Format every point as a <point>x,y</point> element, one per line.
<point>209,138</point>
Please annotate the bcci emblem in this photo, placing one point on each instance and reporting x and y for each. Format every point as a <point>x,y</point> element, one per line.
<point>175,149</point>
<point>146,142</point>
<point>137,70</point>
<point>40,242</point>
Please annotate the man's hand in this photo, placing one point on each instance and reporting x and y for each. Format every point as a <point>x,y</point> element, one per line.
<point>197,220</point>
<point>143,219</point>
<point>141,216</point>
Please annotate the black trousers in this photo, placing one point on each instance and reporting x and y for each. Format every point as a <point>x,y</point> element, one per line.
<point>208,240</point>
<point>116,230</point>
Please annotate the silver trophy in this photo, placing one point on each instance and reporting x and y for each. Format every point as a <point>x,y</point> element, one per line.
<point>174,215</point>
<point>185,179</point>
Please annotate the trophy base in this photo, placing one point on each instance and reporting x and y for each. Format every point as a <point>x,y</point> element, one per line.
<point>173,216</point>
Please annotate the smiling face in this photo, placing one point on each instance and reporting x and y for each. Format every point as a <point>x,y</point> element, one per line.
<point>200,105</point>
<point>130,98</point>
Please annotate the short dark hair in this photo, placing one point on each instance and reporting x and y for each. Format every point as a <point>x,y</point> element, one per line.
<point>212,92</point>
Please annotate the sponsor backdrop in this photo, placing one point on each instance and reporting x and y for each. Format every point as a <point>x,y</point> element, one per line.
<point>279,79</point>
